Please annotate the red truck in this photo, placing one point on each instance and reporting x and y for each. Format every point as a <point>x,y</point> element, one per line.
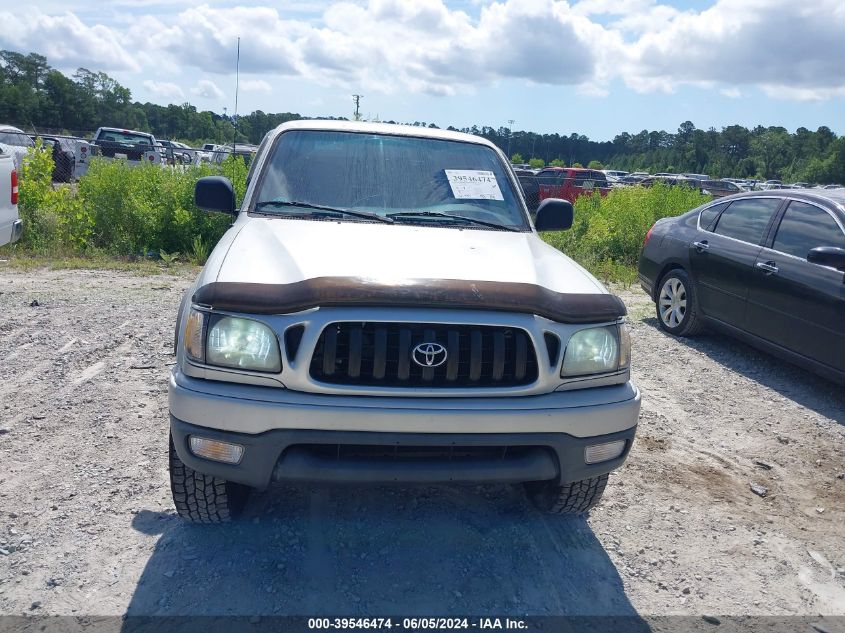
<point>568,183</point>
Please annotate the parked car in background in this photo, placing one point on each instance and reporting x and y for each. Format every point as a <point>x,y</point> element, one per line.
<point>208,151</point>
<point>302,357</point>
<point>766,267</point>
<point>697,177</point>
<point>15,142</point>
<point>633,179</point>
<point>530,187</point>
<point>130,145</point>
<point>244,150</point>
<point>670,180</point>
<point>189,153</point>
<point>11,226</point>
<point>569,183</point>
<point>613,175</point>
<point>64,158</point>
<point>719,188</point>
<point>769,185</point>
<point>175,152</point>
<point>833,187</point>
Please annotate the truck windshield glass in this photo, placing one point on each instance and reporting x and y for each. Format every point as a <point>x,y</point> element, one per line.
<point>413,180</point>
<point>125,138</point>
<point>16,138</point>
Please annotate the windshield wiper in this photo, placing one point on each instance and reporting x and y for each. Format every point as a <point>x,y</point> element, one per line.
<point>448,216</point>
<point>319,207</point>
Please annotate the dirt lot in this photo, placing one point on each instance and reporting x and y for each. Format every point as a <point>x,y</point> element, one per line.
<point>87,525</point>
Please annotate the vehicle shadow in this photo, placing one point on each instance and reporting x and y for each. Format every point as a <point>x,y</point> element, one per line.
<point>377,551</point>
<point>799,385</point>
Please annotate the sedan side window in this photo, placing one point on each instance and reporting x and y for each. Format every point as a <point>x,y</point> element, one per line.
<point>707,218</point>
<point>746,220</point>
<point>804,227</point>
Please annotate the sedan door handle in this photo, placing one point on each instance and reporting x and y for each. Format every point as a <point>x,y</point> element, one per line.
<point>769,267</point>
<point>701,246</point>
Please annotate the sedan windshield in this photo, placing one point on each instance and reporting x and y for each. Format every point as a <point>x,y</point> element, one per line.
<point>403,179</point>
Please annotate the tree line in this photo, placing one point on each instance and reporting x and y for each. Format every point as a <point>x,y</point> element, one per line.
<point>35,96</point>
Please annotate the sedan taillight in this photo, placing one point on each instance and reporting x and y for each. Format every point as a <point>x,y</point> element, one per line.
<point>648,236</point>
<point>14,187</point>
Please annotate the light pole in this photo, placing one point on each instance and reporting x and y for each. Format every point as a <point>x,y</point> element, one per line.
<point>510,131</point>
<point>357,100</point>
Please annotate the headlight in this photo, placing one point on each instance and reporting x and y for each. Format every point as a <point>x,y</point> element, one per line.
<point>599,350</point>
<point>232,342</point>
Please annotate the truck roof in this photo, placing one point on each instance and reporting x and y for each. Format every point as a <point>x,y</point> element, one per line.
<point>122,129</point>
<point>382,128</point>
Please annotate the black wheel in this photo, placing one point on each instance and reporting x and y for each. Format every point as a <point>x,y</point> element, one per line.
<point>201,498</point>
<point>677,304</point>
<point>573,498</point>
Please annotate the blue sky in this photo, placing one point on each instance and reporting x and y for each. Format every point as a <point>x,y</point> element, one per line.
<point>594,67</point>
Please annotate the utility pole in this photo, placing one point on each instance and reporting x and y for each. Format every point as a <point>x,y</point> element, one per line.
<point>510,132</point>
<point>357,100</point>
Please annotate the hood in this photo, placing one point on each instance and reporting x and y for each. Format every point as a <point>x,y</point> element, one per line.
<point>285,251</point>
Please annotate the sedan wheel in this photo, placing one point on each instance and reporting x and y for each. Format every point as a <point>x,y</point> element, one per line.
<point>677,307</point>
<point>672,302</point>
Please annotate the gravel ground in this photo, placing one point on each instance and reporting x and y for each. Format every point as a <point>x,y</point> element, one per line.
<point>87,525</point>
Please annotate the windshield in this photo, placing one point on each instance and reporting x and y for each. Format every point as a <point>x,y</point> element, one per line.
<point>404,178</point>
<point>124,138</point>
<point>16,138</point>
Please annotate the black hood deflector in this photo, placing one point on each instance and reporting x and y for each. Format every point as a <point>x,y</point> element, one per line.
<point>420,293</point>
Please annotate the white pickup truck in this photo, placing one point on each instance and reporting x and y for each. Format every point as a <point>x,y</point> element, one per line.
<point>383,310</point>
<point>11,226</point>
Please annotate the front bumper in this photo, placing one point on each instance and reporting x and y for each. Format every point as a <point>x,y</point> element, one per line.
<point>321,456</point>
<point>273,425</point>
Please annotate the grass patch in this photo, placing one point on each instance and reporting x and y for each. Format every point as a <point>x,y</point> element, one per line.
<point>27,261</point>
<point>608,232</point>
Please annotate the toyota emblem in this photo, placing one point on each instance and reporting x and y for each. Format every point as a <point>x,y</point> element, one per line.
<point>429,354</point>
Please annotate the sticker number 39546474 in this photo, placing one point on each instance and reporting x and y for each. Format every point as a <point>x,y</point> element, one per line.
<point>473,184</point>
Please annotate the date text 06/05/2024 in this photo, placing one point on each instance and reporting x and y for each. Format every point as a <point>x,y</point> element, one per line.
<point>414,624</point>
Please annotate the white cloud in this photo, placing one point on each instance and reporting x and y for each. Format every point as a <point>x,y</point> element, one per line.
<point>65,40</point>
<point>782,45</point>
<point>255,85</point>
<point>207,89</point>
<point>789,50</point>
<point>165,89</point>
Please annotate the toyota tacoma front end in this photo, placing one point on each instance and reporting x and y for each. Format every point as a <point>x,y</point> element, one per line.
<point>383,310</point>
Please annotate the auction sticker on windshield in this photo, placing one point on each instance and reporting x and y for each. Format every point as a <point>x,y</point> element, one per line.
<point>473,184</point>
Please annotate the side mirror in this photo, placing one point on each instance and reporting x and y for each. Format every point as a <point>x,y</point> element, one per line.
<point>554,215</point>
<point>828,256</point>
<point>215,193</point>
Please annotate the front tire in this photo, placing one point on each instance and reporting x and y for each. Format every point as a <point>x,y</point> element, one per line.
<point>573,498</point>
<point>202,498</point>
<point>677,304</point>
